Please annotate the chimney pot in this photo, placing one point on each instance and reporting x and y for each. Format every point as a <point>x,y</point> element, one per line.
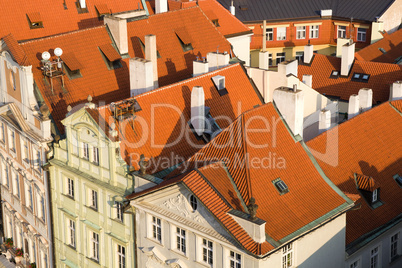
<point>294,87</point>
<point>232,9</point>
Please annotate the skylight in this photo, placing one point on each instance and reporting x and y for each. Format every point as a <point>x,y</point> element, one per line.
<point>398,180</point>
<point>184,39</point>
<point>35,20</point>
<point>334,74</point>
<point>360,77</point>
<point>382,50</point>
<point>280,186</point>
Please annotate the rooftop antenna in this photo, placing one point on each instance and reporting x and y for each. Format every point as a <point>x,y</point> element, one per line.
<point>58,52</point>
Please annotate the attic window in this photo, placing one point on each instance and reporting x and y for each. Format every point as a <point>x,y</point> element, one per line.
<point>71,65</point>
<point>213,17</point>
<point>334,74</point>
<point>360,77</point>
<point>369,189</point>
<point>34,20</point>
<point>102,10</point>
<point>143,49</point>
<point>280,186</point>
<point>184,39</point>
<point>243,7</point>
<point>110,56</point>
<point>398,180</point>
<point>219,82</point>
<point>382,50</point>
<point>216,22</point>
<point>81,6</point>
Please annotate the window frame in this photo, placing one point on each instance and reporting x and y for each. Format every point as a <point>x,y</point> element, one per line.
<point>71,232</point>
<point>95,159</point>
<point>287,255</point>
<point>181,241</point>
<point>70,188</point>
<point>12,141</point>
<point>374,197</point>
<point>235,259</point>
<point>361,36</point>
<point>281,57</point>
<point>156,230</point>
<point>375,257</point>
<point>94,242</point>
<point>341,32</point>
<point>119,211</point>
<point>300,32</point>
<point>269,33</point>
<point>2,133</point>
<point>281,33</point>
<point>207,255</point>
<point>314,31</point>
<point>121,256</point>
<point>93,199</point>
<point>85,151</point>
<point>394,246</point>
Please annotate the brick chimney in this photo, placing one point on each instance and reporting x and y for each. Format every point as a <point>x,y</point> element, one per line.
<point>217,60</point>
<point>151,55</point>
<point>141,76</point>
<point>365,99</point>
<point>395,91</point>
<point>198,110</point>
<point>118,29</point>
<point>308,53</point>
<point>161,6</point>
<point>348,56</point>
<point>290,103</point>
<point>354,106</point>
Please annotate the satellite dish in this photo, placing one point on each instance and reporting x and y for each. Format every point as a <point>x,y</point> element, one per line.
<point>45,55</point>
<point>58,51</point>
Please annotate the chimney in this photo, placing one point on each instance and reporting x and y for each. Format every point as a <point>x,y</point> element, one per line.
<point>365,99</point>
<point>141,76</point>
<point>377,28</point>
<point>219,82</point>
<point>151,55</point>
<point>324,121</point>
<point>326,13</point>
<point>291,105</point>
<point>161,6</point>
<point>198,110</point>
<point>395,91</point>
<point>308,80</point>
<point>255,227</point>
<point>263,62</point>
<point>308,53</point>
<point>340,42</point>
<point>83,4</point>
<point>264,36</point>
<point>200,67</point>
<point>232,8</point>
<point>353,108</point>
<point>288,67</point>
<point>118,29</point>
<point>217,60</point>
<point>348,55</point>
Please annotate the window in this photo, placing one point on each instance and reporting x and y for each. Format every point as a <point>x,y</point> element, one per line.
<point>71,229</point>
<point>235,260</point>
<point>119,211</point>
<point>360,77</point>
<point>375,196</point>
<point>374,258</point>
<point>193,202</point>
<point>354,264</point>
<point>143,48</point>
<point>280,57</point>
<point>270,34</point>
<point>157,229</point>
<point>186,46</point>
<point>95,246</point>
<point>28,196</point>
<point>382,50</point>
<point>12,80</point>
<point>216,22</point>
<point>281,33</point>
<point>334,74</point>
<point>356,76</point>
<point>2,135</point>
<point>394,246</point>
<point>12,140</point>
<point>25,150</point>
<point>71,74</point>
<point>280,186</point>
<point>300,32</point>
<point>96,155</point>
<point>181,240</point>
<point>85,151</point>
<point>121,256</point>
<point>6,176</point>
<point>398,179</point>
<point>37,160</point>
<point>40,201</point>
<point>270,59</point>
<point>70,187</point>
<point>341,31</point>
<point>300,56</point>
<point>16,184</point>
<point>361,34</point>
<point>365,77</point>
<point>314,31</point>
<point>207,251</point>
<point>94,199</point>
<point>287,256</point>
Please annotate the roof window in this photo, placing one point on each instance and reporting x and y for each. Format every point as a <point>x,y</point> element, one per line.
<point>81,6</point>
<point>281,186</point>
<point>110,56</point>
<point>382,50</point>
<point>71,65</point>
<point>102,10</point>
<point>219,82</point>
<point>184,39</point>
<point>360,77</point>
<point>369,189</point>
<point>334,74</point>
<point>34,20</point>
<point>398,179</point>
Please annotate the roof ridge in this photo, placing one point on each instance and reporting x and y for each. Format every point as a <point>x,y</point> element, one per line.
<point>171,11</point>
<point>61,34</point>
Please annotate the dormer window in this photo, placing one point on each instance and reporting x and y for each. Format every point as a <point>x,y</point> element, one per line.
<point>110,56</point>
<point>184,39</point>
<point>398,179</point>
<point>219,82</point>
<point>382,50</point>
<point>34,20</point>
<point>281,186</point>
<point>71,65</point>
<point>102,10</point>
<point>81,6</point>
<point>374,196</point>
<point>369,189</point>
<point>213,17</point>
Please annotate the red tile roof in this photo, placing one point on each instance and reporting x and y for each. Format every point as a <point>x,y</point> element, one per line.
<point>158,129</point>
<point>55,17</point>
<point>368,144</point>
<point>366,183</point>
<point>110,52</point>
<point>258,148</point>
<point>397,104</point>
<point>16,51</point>
<point>391,44</point>
<point>71,61</point>
<point>34,17</point>
<point>382,75</point>
<point>102,9</point>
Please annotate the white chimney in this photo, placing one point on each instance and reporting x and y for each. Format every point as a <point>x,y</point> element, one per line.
<point>141,76</point>
<point>217,60</point>
<point>219,82</point>
<point>254,228</point>
<point>308,53</point>
<point>354,106</point>
<point>200,67</point>
<point>118,28</point>
<point>263,62</point>
<point>340,42</point>
<point>395,91</point>
<point>198,110</point>
<point>151,55</point>
<point>348,55</point>
<point>288,67</point>
<point>324,121</point>
<point>365,99</point>
<point>232,8</point>
<point>308,80</point>
<point>83,4</point>
<point>376,29</point>
<point>291,105</point>
<point>326,12</point>
<point>161,6</point>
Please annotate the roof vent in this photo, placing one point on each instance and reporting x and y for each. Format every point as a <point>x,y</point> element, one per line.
<point>280,186</point>
<point>219,82</point>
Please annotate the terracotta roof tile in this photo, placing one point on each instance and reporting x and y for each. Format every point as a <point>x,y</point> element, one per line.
<point>71,61</point>
<point>110,52</point>
<point>16,51</point>
<point>368,144</point>
<point>34,17</point>
<point>56,17</point>
<point>183,35</point>
<point>382,75</point>
<point>397,104</point>
<point>102,9</point>
<point>390,43</point>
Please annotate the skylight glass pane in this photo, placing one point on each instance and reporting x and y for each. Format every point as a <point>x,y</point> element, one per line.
<point>356,76</point>
<point>365,77</point>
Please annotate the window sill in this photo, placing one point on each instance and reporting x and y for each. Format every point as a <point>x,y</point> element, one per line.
<point>205,264</point>
<point>71,246</point>
<point>117,220</point>
<point>94,260</point>
<point>155,241</point>
<point>41,220</point>
<point>69,196</point>
<point>179,253</point>
<point>92,208</point>
<point>394,259</point>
